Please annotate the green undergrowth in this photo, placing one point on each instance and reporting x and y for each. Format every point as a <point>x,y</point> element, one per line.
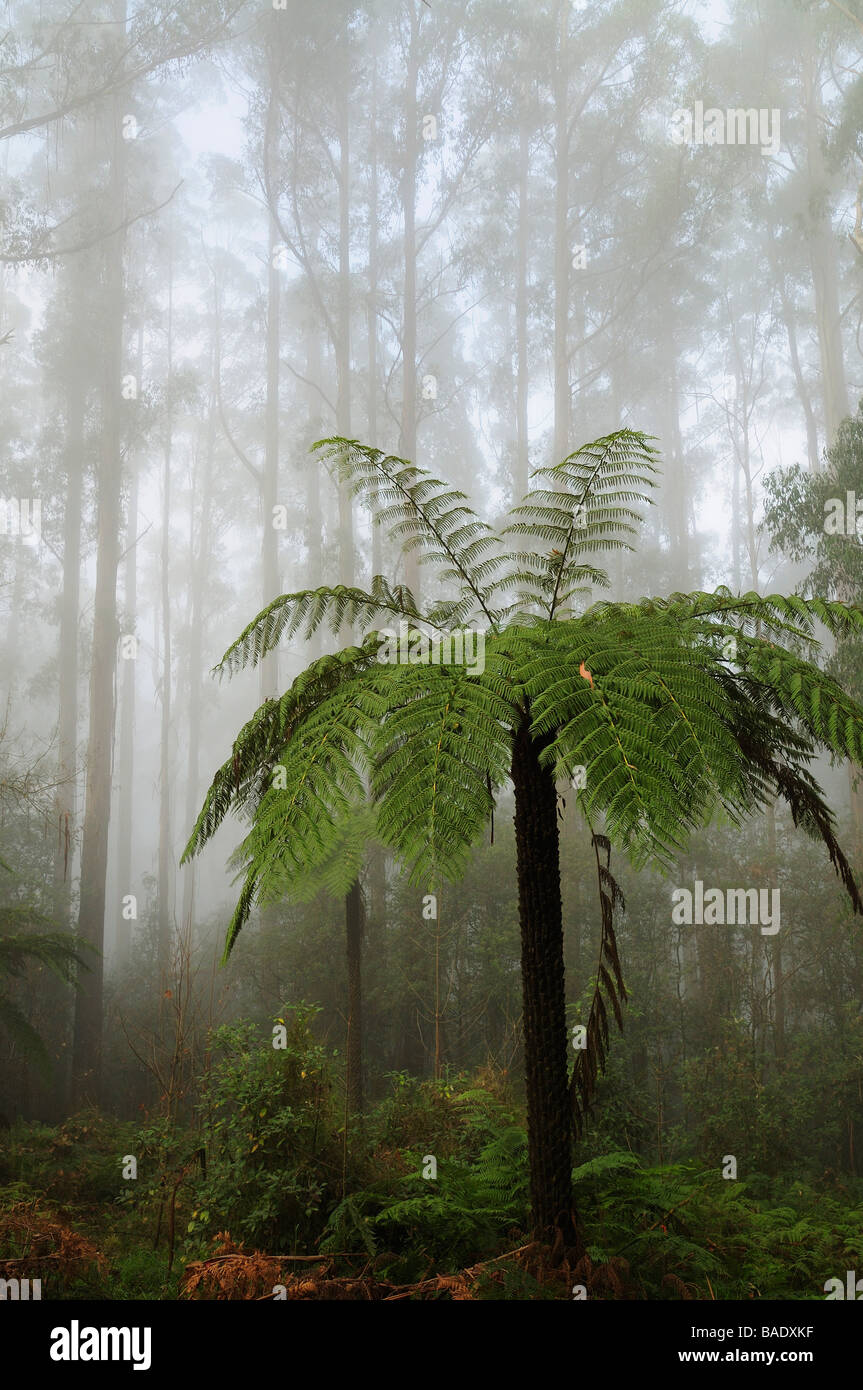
<point>434,1181</point>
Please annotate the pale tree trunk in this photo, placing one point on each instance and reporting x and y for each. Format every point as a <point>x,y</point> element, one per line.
<point>199,567</point>
<point>66,798</point>
<point>312,471</point>
<point>128,669</point>
<point>677,489</point>
<point>354,941</point>
<point>94,853</point>
<point>522,456</point>
<point>562,249</point>
<point>67,764</point>
<point>822,254</point>
<point>343,346</point>
<point>165,854</point>
<point>372,305</point>
<point>269,668</point>
<point>408,427</point>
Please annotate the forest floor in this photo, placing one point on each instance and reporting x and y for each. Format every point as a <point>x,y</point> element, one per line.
<point>274,1225</point>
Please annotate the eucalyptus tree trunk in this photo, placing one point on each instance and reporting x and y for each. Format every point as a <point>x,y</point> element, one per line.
<point>165,853</point>
<point>70,617</point>
<point>269,672</point>
<point>408,422</point>
<point>126,741</point>
<point>522,455</point>
<point>544,1010</point>
<point>822,251</point>
<point>94,850</point>
<point>562,248</point>
<point>199,564</point>
<point>354,941</point>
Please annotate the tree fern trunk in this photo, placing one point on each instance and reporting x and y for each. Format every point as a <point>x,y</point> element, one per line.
<point>545,1054</point>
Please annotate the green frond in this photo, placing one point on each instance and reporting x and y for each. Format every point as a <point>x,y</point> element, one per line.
<point>592,506</point>
<point>313,787</point>
<point>421,512</point>
<point>307,610</point>
<point>445,742</point>
<point>242,779</point>
<point>61,952</point>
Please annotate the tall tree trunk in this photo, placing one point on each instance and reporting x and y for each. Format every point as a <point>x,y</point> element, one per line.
<point>94,853</point>
<point>562,248</point>
<point>312,477</point>
<point>522,464</point>
<point>67,732</point>
<point>776,949</point>
<point>372,304</point>
<point>125,801</point>
<point>165,856</point>
<point>66,797</point>
<point>544,1018</point>
<point>408,428</point>
<point>343,346</point>
<point>822,252</point>
<point>269,673</point>
<point>354,941</point>
<point>199,565</point>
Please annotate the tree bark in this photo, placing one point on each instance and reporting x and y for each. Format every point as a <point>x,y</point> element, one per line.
<point>562,248</point>
<point>408,424</point>
<point>94,852</point>
<point>354,940</point>
<point>544,1018</point>
<point>125,806</point>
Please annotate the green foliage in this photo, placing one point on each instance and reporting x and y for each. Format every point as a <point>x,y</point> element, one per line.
<point>477,1201</point>
<point>689,1233</point>
<point>676,1231</point>
<point>269,1123</point>
<point>671,722</point>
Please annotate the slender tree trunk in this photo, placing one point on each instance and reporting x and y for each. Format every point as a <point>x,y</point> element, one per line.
<point>312,478</point>
<point>94,853</point>
<point>199,565</point>
<point>544,1019</point>
<point>269,674</point>
<point>776,949</point>
<point>343,347</point>
<point>125,806</point>
<point>66,798</point>
<point>372,306</point>
<point>166,857</point>
<point>67,733</point>
<point>408,429</point>
<point>354,940</point>
<point>562,248</point>
<point>822,252</point>
<point>522,464</point>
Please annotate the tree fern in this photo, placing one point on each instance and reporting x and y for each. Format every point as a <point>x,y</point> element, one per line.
<point>677,708</point>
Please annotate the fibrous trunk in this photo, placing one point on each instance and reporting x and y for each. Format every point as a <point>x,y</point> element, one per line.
<point>545,1051</point>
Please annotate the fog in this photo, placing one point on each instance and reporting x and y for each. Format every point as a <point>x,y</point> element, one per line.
<point>475,235</point>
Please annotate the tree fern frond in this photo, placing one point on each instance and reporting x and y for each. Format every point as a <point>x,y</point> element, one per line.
<point>305,611</point>
<point>241,780</point>
<point>444,742</point>
<point>420,511</point>
<point>592,506</point>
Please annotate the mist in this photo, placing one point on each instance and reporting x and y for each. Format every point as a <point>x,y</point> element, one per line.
<point>412,789</point>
